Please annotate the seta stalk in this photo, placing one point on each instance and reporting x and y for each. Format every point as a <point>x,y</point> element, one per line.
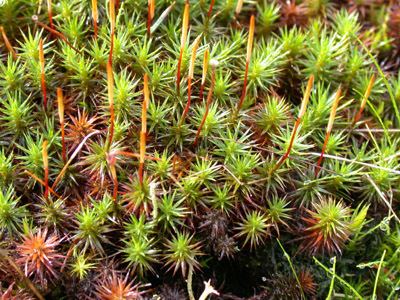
<point>248,58</point>
<point>364,100</point>
<point>150,14</point>
<point>50,13</point>
<point>214,65</point>
<point>239,6</point>
<point>46,169</point>
<point>204,75</point>
<point>185,27</point>
<point>196,44</point>
<point>95,17</point>
<point>42,73</point>
<point>110,75</point>
<point>60,102</point>
<point>329,128</point>
<point>7,43</point>
<point>210,9</point>
<point>143,131</point>
<point>302,111</point>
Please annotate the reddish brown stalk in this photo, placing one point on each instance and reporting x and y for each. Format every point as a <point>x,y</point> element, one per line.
<point>60,102</point>
<point>196,44</point>
<point>210,8</point>
<point>136,155</point>
<point>143,131</point>
<point>50,13</point>
<point>54,32</point>
<point>46,169</point>
<point>185,27</point>
<point>329,128</point>
<point>24,278</point>
<point>110,85</point>
<point>42,73</point>
<point>297,123</point>
<point>7,43</point>
<point>42,183</point>
<point>364,100</point>
<point>208,103</point>
<point>68,255</point>
<point>95,16</point>
<point>110,75</point>
<point>112,159</point>
<point>73,155</point>
<point>150,14</point>
<point>204,75</point>
<point>248,57</point>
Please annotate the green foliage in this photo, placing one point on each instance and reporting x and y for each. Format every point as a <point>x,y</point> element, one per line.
<point>124,189</point>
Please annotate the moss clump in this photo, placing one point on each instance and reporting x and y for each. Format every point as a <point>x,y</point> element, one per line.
<point>144,141</point>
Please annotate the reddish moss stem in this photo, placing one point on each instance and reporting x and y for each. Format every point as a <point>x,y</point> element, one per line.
<point>196,44</point>
<point>110,75</point>
<point>60,102</point>
<point>329,129</point>
<point>150,14</point>
<point>297,123</point>
<point>208,103</point>
<point>46,169</point>
<point>238,8</point>
<point>51,190</point>
<point>364,100</point>
<point>210,9</point>
<point>7,43</point>
<point>95,16</point>
<point>54,32</point>
<point>248,58</point>
<point>50,13</point>
<point>42,73</point>
<point>143,131</point>
<point>185,27</point>
<point>112,159</point>
<point>204,75</point>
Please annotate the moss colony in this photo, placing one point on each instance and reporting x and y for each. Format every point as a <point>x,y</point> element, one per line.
<point>199,150</point>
